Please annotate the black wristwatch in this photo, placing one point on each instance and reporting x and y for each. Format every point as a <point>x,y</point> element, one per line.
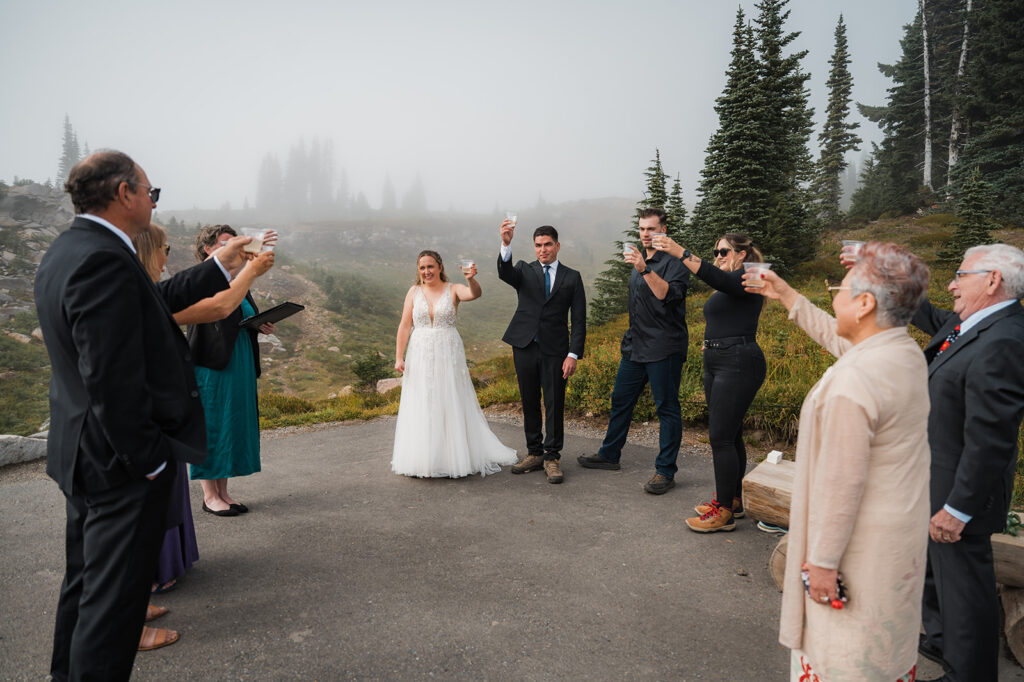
<point>686,254</point>
<point>646,270</point>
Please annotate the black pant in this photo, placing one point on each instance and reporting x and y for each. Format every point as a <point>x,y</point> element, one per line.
<point>960,607</point>
<point>732,377</point>
<point>112,547</point>
<point>538,372</point>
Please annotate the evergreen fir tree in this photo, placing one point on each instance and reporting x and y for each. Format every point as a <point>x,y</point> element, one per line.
<point>733,185</point>
<point>995,106</point>
<point>790,234</point>
<point>837,136</point>
<point>974,225</point>
<point>70,154</point>
<point>612,284</point>
<point>675,211</point>
<point>901,155</point>
<point>868,199</point>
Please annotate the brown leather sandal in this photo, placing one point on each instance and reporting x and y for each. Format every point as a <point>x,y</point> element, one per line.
<point>154,612</point>
<point>154,638</point>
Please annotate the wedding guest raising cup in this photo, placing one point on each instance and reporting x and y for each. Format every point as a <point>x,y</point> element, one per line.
<point>754,270</point>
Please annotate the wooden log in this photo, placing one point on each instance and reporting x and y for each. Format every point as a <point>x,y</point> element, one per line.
<point>1008,556</point>
<point>1013,607</point>
<point>777,561</point>
<point>768,490</point>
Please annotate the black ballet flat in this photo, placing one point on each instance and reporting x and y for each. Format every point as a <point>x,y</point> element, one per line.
<point>240,508</point>
<point>223,512</point>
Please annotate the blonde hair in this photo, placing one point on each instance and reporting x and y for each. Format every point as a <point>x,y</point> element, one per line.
<point>147,245</point>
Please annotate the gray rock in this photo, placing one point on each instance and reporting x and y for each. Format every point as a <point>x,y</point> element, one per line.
<point>385,385</point>
<point>37,333</point>
<point>19,337</point>
<point>14,449</point>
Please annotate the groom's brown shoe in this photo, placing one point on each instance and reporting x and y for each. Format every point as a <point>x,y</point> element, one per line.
<point>528,464</point>
<point>553,470</point>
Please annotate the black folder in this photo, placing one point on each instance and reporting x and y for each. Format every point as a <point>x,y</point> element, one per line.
<point>275,314</point>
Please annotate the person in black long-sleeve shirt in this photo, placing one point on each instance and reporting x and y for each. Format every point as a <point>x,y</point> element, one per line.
<point>653,351</point>
<point>734,369</point>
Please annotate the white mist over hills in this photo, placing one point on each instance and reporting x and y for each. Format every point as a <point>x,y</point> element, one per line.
<point>490,104</point>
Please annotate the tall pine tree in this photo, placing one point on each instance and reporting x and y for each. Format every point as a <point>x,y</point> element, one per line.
<point>70,152</point>
<point>612,284</point>
<point>837,136</point>
<point>733,184</point>
<point>995,106</point>
<point>974,225</point>
<point>675,212</point>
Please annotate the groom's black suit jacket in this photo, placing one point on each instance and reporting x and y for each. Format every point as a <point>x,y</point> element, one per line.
<point>123,395</point>
<point>976,387</point>
<point>545,318</point>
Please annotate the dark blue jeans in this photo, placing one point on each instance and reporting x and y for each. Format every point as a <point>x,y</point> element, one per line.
<point>664,377</point>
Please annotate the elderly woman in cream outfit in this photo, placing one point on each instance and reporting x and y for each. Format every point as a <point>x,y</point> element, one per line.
<point>860,499</point>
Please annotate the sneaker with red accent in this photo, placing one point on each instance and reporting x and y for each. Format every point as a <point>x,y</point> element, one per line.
<point>737,507</point>
<point>715,519</point>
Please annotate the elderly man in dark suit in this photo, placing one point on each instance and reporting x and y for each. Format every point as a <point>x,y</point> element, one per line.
<point>976,387</point>
<point>543,348</point>
<point>123,405</point>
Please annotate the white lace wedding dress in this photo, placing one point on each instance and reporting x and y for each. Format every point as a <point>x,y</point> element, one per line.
<point>441,430</point>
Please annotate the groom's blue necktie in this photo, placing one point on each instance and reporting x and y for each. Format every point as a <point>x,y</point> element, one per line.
<point>547,282</point>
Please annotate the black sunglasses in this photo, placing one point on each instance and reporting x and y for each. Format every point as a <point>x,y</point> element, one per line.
<point>154,192</point>
<point>167,249</point>
<point>721,252</point>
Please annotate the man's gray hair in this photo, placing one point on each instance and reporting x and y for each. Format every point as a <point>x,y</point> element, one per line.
<point>895,277</point>
<point>1008,260</point>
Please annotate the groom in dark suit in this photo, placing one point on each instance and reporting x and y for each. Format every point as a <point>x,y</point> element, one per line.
<point>544,347</point>
<point>976,387</point>
<point>123,405</point>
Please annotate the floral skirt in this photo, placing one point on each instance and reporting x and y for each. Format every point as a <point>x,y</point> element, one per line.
<point>800,670</point>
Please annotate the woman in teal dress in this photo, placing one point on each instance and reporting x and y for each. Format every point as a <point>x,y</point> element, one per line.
<point>227,363</point>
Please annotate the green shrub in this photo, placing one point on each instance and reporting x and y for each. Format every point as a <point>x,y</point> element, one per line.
<point>371,367</point>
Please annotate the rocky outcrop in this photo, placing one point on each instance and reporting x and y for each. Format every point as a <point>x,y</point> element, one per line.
<point>31,217</point>
<point>15,449</point>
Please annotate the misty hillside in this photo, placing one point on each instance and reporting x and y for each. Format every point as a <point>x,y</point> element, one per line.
<point>351,275</point>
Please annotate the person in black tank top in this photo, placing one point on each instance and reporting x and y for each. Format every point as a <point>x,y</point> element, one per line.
<point>734,369</point>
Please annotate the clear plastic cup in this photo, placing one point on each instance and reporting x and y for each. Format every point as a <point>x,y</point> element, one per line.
<point>512,217</point>
<point>755,269</point>
<point>256,245</point>
<point>850,252</point>
<point>657,240</point>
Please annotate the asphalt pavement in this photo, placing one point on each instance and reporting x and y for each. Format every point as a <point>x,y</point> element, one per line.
<point>344,570</point>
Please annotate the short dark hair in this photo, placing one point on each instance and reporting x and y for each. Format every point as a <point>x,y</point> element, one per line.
<point>651,213</point>
<point>208,236</point>
<point>546,231</point>
<point>94,180</point>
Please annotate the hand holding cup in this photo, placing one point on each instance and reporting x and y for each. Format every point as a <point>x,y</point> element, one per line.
<point>763,281</point>
<point>850,252</point>
<point>632,256</point>
<point>468,268</point>
<point>508,227</point>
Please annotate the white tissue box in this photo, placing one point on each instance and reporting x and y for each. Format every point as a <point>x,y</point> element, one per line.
<point>774,457</point>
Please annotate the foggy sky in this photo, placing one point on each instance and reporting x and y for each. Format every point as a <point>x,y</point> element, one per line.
<point>492,103</point>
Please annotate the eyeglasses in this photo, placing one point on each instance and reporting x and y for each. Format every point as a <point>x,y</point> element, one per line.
<point>166,249</point>
<point>154,192</point>
<point>721,252</point>
<point>833,289</point>
<point>956,277</point>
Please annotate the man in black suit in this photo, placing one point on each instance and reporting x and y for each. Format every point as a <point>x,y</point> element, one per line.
<point>123,405</point>
<point>976,387</point>
<point>544,348</point>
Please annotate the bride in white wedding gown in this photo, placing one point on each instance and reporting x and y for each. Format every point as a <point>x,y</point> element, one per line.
<point>441,430</point>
